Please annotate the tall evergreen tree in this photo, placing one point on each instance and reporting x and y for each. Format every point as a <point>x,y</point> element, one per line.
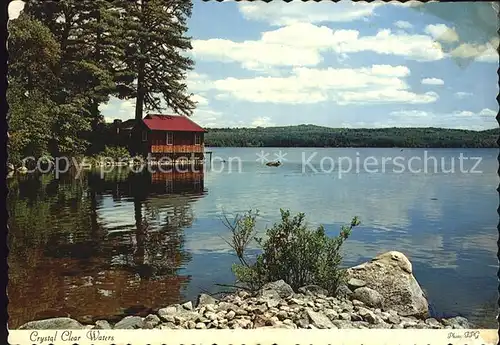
<point>87,33</point>
<point>34,54</point>
<point>156,30</point>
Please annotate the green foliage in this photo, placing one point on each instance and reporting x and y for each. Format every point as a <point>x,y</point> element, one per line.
<point>68,57</point>
<point>33,56</point>
<point>316,136</point>
<point>155,53</point>
<point>117,153</point>
<point>292,252</point>
<point>29,124</point>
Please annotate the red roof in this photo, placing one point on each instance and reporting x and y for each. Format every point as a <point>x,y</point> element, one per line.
<point>171,123</point>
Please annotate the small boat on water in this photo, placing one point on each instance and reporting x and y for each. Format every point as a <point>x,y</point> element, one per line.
<point>273,164</point>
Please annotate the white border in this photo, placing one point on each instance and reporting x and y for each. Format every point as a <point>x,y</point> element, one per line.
<point>257,336</point>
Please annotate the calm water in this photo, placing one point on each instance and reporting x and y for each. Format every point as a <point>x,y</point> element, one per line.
<point>101,248</point>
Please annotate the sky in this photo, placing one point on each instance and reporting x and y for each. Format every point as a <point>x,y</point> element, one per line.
<point>342,64</point>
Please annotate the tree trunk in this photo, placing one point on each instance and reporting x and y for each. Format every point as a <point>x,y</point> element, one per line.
<point>139,103</point>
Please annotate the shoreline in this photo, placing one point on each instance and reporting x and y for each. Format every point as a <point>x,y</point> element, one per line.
<point>309,308</point>
<point>378,294</point>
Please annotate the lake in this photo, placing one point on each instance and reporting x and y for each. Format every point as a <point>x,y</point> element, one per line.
<point>106,245</point>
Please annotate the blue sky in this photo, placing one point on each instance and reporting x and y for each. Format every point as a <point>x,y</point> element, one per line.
<point>341,65</point>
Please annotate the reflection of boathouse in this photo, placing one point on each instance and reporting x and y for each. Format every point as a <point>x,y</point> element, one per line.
<point>147,184</point>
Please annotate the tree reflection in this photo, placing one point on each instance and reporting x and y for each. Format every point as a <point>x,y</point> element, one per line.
<point>68,258</point>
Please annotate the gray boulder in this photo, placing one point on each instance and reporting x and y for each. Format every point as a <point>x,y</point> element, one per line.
<point>319,320</point>
<point>102,324</point>
<point>369,297</point>
<point>151,321</point>
<point>390,274</point>
<point>433,323</point>
<point>283,289</point>
<point>188,305</point>
<point>313,290</point>
<point>343,292</point>
<point>457,323</point>
<point>53,323</point>
<point>205,299</point>
<point>354,283</point>
<point>270,297</point>
<point>130,322</point>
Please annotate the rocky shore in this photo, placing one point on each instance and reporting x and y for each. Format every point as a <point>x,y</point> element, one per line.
<point>381,293</point>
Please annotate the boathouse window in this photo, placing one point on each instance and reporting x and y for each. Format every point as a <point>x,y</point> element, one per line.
<point>144,136</point>
<point>197,139</point>
<point>170,138</point>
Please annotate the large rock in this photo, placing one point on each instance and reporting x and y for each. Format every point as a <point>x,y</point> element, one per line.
<point>54,323</point>
<point>354,283</point>
<point>390,274</point>
<point>369,297</point>
<point>270,297</point>
<point>130,322</point>
<point>102,324</point>
<point>283,289</point>
<point>343,292</point>
<point>457,322</point>
<point>313,290</point>
<point>319,320</point>
<point>205,299</point>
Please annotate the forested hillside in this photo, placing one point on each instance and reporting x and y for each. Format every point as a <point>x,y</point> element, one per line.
<point>316,136</point>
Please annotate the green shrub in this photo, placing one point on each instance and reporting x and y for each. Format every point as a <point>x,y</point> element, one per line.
<point>292,252</point>
<point>116,153</point>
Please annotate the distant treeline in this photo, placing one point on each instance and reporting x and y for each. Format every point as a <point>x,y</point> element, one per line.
<point>316,136</point>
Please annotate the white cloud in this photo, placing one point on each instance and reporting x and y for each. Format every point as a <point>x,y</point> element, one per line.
<point>15,8</point>
<point>386,96</point>
<point>278,13</point>
<point>432,81</point>
<point>368,85</point>
<point>402,24</point>
<point>302,44</point>
<point>463,113</point>
<point>410,3</point>
<point>110,119</point>
<point>118,109</point>
<point>200,100</point>
<point>208,118</point>
<point>442,33</point>
<point>462,119</point>
<point>479,52</point>
<point>262,122</point>
<point>415,47</point>
<point>255,54</point>
<point>488,112</point>
<point>410,113</point>
<point>462,94</point>
<point>197,81</point>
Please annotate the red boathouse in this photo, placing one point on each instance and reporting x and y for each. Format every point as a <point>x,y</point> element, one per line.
<point>174,136</point>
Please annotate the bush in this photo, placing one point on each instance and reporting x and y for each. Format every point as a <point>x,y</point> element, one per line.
<point>116,153</point>
<point>292,252</point>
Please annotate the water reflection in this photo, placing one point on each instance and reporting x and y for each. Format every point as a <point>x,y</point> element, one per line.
<point>70,256</point>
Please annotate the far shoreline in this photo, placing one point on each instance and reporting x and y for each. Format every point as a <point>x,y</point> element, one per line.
<point>312,136</point>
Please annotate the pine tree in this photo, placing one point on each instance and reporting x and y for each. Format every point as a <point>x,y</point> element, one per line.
<point>33,57</point>
<point>88,33</point>
<point>156,32</point>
